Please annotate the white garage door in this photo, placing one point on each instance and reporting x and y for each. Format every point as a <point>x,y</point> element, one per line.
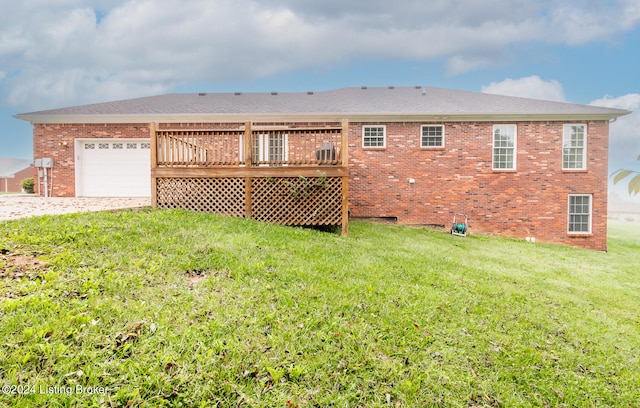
<point>113,168</point>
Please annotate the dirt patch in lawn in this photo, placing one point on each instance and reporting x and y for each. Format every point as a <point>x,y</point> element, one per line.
<point>16,266</point>
<point>195,276</point>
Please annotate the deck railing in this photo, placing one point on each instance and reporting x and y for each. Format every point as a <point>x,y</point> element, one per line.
<point>269,146</point>
<point>196,148</point>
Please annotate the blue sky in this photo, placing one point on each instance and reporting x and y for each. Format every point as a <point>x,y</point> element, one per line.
<point>73,52</point>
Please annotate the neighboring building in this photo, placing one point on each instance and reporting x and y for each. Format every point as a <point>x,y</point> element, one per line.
<point>623,210</point>
<point>12,172</point>
<point>517,167</point>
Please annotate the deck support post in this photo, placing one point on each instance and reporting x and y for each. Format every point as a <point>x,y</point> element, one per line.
<point>247,159</point>
<point>344,162</point>
<point>153,139</point>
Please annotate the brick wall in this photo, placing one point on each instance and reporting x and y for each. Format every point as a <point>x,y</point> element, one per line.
<point>531,201</point>
<point>58,141</point>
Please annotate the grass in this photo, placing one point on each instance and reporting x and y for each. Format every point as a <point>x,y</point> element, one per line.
<point>171,308</point>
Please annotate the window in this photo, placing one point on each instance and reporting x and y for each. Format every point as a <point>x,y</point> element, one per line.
<point>373,136</point>
<point>432,136</point>
<point>504,147</point>
<point>574,141</point>
<point>579,214</point>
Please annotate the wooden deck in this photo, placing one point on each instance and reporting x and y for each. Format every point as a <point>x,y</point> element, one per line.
<point>291,174</point>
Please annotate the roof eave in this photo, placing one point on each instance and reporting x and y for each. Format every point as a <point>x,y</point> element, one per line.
<point>316,117</point>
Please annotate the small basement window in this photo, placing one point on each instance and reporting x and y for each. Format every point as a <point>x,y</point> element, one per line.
<point>580,214</point>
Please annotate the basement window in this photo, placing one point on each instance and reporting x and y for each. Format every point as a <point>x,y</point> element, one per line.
<point>374,136</point>
<point>580,214</point>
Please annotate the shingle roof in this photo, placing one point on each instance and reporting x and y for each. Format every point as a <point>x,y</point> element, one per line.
<point>392,103</point>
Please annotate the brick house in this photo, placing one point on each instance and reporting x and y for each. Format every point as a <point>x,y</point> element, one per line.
<point>12,172</point>
<point>517,167</point>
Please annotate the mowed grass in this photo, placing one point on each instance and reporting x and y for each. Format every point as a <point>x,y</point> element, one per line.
<point>173,308</point>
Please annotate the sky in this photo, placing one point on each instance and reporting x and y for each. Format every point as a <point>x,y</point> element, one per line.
<point>60,53</point>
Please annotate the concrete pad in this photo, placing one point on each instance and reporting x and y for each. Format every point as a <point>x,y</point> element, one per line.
<point>14,206</point>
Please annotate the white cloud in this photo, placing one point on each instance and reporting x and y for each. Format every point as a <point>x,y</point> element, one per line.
<point>624,133</point>
<point>629,102</point>
<point>64,52</point>
<point>460,64</point>
<point>577,23</point>
<point>529,87</point>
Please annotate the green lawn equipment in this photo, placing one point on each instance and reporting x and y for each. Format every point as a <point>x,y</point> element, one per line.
<point>459,228</point>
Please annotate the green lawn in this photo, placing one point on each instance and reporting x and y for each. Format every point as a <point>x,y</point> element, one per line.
<point>171,308</point>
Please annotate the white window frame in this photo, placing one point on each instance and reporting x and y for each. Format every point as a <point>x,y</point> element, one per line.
<point>513,149</point>
<point>567,133</point>
<point>262,149</point>
<point>571,223</point>
<point>422,135</point>
<point>384,136</point>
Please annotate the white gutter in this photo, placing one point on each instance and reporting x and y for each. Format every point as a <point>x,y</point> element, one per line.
<point>311,117</point>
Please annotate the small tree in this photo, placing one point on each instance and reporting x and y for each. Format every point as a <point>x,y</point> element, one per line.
<point>634,183</point>
<point>27,185</point>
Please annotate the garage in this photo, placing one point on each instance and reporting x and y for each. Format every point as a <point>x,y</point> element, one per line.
<point>113,168</point>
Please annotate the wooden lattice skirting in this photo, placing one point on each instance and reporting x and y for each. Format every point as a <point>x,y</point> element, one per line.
<point>218,195</point>
<point>303,201</point>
